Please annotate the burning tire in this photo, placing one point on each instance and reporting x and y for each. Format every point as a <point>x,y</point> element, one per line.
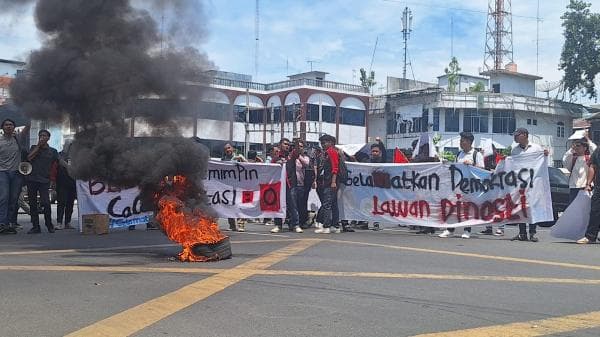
<point>217,251</point>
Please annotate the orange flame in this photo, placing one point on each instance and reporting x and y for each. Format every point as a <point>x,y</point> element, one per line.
<point>182,225</point>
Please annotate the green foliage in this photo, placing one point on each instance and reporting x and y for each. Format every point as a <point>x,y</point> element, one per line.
<point>452,71</point>
<point>580,57</point>
<point>367,82</point>
<point>449,156</point>
<point>479,87</point>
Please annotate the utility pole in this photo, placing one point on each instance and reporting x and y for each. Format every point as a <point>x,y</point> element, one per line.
<point>256,38</point>
<point>406,29</point>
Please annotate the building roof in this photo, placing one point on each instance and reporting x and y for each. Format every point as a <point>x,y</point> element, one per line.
<point>19,63</point>
<point>581,123</point>
<point>466,75</point>
<point>491,73</point>
<point>309,74</point>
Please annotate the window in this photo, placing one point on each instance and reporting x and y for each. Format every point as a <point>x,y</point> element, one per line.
<point>216,111</point>
<point>328,113</point>
<point>352,117</point>
<point>560,129</point>
<point>535,122</point>
<point>496,88</point>
<point>239,113</point>
<point>256,116</point>
<point>452,120</point>
<point>528,121</point>
<point>503,122</point>
<point>291,112</point>
<point>475,121</point>
<point>436,120</point>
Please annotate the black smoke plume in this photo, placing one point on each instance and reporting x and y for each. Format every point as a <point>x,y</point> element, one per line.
<point>100,62</point>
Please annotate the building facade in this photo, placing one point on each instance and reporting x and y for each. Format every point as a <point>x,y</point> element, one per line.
<point>494,114</point>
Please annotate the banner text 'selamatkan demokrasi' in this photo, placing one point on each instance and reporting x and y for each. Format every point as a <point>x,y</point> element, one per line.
<point>448,195</point>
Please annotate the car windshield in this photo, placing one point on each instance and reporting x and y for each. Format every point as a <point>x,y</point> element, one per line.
<point>557,177</point>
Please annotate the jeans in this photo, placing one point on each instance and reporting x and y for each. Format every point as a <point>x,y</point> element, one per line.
<point>291,201</point>
<point>33,188</point>
<point>10,188</point>
<point>523,228</point>
<point>329,207</point>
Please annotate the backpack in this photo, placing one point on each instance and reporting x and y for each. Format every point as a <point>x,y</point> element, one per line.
<point>342,175</point>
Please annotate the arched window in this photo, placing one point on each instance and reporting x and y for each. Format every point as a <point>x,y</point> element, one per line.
<point>352,112</point>
<point>292,106</point>
<point>214,105</point>
<point>256,108</point>
<point>560,129</point>
<point>274,109</point>
<point>327,108</point>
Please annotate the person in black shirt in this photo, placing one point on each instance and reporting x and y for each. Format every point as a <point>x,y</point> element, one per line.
<point>66,190</point>
<point>44,162</point>
<point>591,234</point>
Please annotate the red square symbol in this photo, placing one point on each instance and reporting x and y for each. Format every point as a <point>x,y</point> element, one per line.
<point>247,197</point>
<point>269,197</point>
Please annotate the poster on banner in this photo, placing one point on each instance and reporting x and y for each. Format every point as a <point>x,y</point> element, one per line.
<point>123,206</point>
<point>246,190</point>
<point>448,195</point>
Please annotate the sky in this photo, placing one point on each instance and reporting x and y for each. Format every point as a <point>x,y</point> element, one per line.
<point>340,35</point>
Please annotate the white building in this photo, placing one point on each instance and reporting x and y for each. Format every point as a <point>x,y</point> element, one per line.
<point>401,117</point>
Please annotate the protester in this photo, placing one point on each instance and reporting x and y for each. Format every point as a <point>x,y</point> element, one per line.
<point>44,162</point>
<point>377,156</point>
<point>577,161</point>
<point>66,190</point>
<point>327,183</point>
<point>593,176</point>
<point>468,155</point>
<point>253,157</point>
<point>382,149</point>
<point>302,167</point>
<point>287,156</point>
<point>10,179</point>
<point>309,184</point>
<point>491,157</point>
<point>521,137</point>
<point>229,155</point>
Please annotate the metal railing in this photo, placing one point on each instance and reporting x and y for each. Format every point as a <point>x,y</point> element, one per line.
<point>290,84</point>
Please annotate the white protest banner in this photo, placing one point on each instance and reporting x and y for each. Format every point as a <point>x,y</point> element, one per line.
<point>122,205</point>
<point>246,190</point>
<point>448,195</point>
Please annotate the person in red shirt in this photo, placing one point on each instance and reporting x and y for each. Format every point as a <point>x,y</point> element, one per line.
<point>327,184</point>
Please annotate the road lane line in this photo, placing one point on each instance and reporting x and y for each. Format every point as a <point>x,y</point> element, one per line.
<point>139,317</point>
<point>543,327</point>
<point>479,256</point>
<point>109,249</point>
<point>276,272</point>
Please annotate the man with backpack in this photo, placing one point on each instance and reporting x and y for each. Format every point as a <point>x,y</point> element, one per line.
<point>327,184</point>
<point>468,156</point>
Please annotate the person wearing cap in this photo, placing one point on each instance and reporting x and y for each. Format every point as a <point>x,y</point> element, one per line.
<point>468,155</point>
<point>521,137</point>
<point>10,179</point>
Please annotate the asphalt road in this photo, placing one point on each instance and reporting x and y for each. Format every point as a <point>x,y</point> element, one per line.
<point>384,283</point>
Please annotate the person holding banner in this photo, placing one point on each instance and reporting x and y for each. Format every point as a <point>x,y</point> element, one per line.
<point>468,156</point>
<point>577,161</point>
<point>591,233</point>
<point>287,156</point>
<point>521,137</point>
<point>327,184</point>
<point>228,155</point>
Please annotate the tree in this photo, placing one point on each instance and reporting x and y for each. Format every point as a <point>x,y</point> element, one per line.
<point>478,87</point>
<point>452,72</point>
<point>367,82</point>
<point>580,57</point>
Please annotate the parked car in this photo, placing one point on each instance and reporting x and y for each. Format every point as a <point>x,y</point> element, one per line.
<point>559,191</point>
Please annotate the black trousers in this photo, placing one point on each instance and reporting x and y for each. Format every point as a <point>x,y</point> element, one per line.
<point>594,224</point>
<point>65,200</point>
<point>33,189</point>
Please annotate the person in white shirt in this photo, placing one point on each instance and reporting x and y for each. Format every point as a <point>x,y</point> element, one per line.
<point>521,136</point>
<point>577,161</point>
<point>468,156</point>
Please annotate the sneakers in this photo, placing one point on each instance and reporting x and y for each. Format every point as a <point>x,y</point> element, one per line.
<point>532,238</point>
<point>323,230</point>
<point>297,229</point>
<point>34,230</point>
<point>275,229</point>
<point>335,230</point>
<point>583,241</point>
<point>499,232</point>
<point>59,226</point>
<point>446,233</point>
<point>466,235</point>
<point>487,231</point>
<point>318,225</point>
